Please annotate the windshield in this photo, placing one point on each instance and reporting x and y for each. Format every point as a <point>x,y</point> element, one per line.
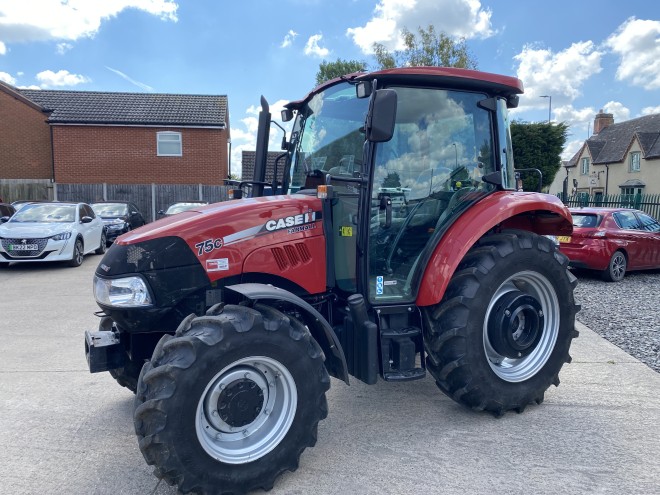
<point>48,213</point>
<point>110,210</point>
<point>329,135</point>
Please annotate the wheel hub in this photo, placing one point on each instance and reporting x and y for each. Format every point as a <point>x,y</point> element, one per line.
<point>240,403</point>
<point>515,325</point>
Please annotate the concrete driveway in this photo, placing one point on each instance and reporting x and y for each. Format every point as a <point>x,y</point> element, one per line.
<point>64,430</point>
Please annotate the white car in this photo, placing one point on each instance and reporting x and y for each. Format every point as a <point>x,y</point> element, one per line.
<point>51,232</point>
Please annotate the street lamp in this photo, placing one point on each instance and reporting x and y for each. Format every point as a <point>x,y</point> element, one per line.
<point>549,106</point>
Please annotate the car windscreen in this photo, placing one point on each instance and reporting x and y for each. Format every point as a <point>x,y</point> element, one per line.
<point>585,220</point>
<point>45,213</point>
<point>110,210</point>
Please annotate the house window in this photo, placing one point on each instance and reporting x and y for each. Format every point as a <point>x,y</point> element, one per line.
<point>169,143</point>
<point>585,166</point>
<point>631,191</point>
<point>635,164</point>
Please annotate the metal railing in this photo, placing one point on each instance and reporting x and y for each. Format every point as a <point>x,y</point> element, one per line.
<point>648,203</point>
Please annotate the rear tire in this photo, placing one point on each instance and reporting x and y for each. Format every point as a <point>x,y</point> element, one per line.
<point>104,244</point>
<point>616,268</point>
<point>231,401</point>
<point>502,332</point>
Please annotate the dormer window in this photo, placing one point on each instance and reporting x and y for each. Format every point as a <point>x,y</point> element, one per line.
<point>584,170</point>
<point>635,161</point>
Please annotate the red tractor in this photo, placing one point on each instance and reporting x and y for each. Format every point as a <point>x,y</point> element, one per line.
<point>393,242</point>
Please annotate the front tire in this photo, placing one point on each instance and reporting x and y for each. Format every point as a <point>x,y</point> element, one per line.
<point>78,254</point>
<point>231,401</point>
<point>616,268</point>
<point>502,332</point>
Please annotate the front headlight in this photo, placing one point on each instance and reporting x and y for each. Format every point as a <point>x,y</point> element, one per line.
<point>61,237</point>
<point>128,292</point>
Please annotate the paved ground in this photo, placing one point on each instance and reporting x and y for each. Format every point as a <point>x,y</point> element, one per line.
<point>63,430</point>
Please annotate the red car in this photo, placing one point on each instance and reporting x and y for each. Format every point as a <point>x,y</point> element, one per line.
<point>612,241</point>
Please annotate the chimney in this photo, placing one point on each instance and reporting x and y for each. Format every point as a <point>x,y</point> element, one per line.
<point>602,120</point>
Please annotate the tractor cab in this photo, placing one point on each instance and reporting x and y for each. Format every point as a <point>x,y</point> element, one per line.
<point>397,160</point>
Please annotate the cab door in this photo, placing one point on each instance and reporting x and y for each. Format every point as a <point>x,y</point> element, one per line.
<point>423,179</point>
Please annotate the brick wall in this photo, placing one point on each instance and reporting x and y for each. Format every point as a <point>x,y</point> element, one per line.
<point>25,151</point>
<point>127,155</point>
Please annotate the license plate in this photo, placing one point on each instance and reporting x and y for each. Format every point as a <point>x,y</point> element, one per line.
<point>564,238</point>
<point>23,247</point>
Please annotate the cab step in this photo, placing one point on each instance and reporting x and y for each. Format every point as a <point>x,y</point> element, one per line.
<point>399,351</point>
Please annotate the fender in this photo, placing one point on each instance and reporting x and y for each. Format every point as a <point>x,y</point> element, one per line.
<point>535,212</point>
<point>317,324</point>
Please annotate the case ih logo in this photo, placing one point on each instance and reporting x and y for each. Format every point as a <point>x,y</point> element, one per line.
<point>292,221</point>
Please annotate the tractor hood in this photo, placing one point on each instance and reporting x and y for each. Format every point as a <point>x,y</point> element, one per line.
<point>220,238</point>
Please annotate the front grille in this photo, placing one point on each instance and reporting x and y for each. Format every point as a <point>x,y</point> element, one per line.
<point>41,245</point>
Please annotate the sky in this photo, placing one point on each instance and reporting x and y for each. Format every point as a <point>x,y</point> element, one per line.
<point>586,55</point>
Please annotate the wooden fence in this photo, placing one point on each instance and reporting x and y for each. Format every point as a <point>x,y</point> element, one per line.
<point>17,189</point>
<point>149,198</point>
<point>648,203</point>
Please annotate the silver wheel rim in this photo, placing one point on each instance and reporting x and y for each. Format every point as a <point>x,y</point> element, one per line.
<point>518,370</point>
<point>249,442</point>
<point>618,266</point>
<point>78,252</point>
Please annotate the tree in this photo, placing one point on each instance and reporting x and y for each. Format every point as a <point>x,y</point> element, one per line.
<point>427,48</point>
<point>330,70</point>
<point>538,145</point>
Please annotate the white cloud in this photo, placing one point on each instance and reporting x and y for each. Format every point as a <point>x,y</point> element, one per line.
<point>650,110</point>
<point>457,18</point>
<point>571,148</point>
<point>637,42</point>
<point>313,49</point>
<point>288,38</point>
<point>560,75</point>
<point>7,78</point>
<point>3,48</point>
<point>49,79</point>
<point>140,85</point>
<point>618,111</point>
<point>41,20</point>
<point>62,48</point>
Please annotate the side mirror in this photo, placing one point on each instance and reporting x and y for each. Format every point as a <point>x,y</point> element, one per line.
<point>287,115</point>
<point>4,219</point>
<point>161,212</point>
<point>86,219</point>
<point>381,117</point>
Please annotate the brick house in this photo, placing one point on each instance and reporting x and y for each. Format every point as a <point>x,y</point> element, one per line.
<point>621,158</point>
<point>121,138</point>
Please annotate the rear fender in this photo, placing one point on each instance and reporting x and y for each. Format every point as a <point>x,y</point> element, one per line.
<point>317,324</point>
<point>539,213</point>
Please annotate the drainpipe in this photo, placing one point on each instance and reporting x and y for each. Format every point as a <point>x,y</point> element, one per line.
<point>52,162</point>
<point>607,176</point>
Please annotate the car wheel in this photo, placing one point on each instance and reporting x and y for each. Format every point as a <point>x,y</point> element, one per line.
<point>616,268</point>
<point>78,253</point>
<point>103,245</point>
